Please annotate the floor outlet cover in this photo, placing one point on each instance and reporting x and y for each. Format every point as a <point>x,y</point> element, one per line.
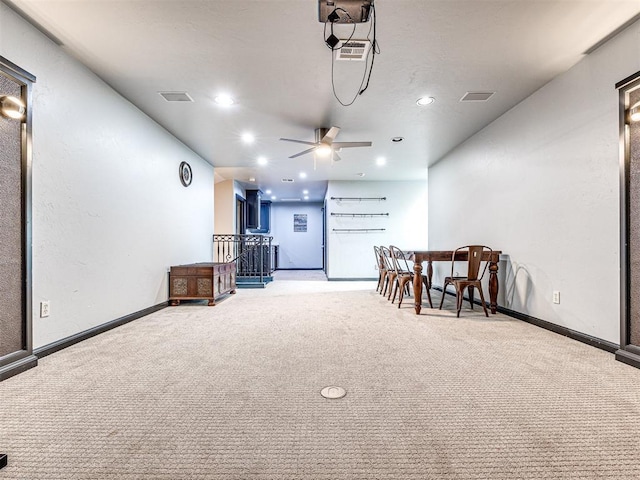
<point>333,392</point>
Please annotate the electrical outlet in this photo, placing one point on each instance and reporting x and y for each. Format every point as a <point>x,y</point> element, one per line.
<point>44,309</point>
<point>556,296</point>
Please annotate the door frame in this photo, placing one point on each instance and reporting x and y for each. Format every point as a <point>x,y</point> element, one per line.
<point>241,215</point>
<point>23,359</point>
<point>628,352</point>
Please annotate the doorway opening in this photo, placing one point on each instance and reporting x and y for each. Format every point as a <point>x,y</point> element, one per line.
<point>241,215</point>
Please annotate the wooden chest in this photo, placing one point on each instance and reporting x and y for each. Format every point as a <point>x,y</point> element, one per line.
<point>201,281</point>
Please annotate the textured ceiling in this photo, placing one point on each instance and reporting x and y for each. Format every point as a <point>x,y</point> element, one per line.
<point>271,56</point>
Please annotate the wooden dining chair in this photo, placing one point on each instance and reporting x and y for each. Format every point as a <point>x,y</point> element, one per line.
<point>405,276</point>
<point>472,280</point>
<point>382,269</point>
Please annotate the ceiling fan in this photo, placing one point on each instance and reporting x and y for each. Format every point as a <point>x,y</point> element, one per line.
<point>325,144</point>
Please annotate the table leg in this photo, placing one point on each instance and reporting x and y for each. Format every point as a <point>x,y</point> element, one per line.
<point>493,285</point>
<point>417,286</point>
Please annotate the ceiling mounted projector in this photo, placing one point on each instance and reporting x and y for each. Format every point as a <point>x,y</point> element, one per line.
<point>344,11</point>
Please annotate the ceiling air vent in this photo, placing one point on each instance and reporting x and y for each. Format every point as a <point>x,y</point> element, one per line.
<point>290,199</point>
<point>354,50</point>
<point>176,96</point>
<point>476,96</point>
<point>288,180</point>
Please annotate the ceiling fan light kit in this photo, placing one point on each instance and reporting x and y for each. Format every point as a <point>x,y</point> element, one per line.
<point>325,144</point>
<point>323,150</point>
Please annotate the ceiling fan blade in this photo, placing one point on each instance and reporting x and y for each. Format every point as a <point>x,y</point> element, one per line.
<point>303,153</point>
<point>330,136</point>
<point>298,141</point>
<point>351,144</point>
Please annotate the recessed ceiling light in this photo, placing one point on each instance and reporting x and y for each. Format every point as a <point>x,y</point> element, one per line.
<point>380,161</point>
<point>224,100</point>
<point>248,137</point>
<point>262,160</point>
<point>422,101</point>
<point>397,139</point>
<point>252,179</point>
<point>305,192</point>
<point>273,197</point>
<point>303,175</point>
<point>306,197</point>
<point>268,192</point>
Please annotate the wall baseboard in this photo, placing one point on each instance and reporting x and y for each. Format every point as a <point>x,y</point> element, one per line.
<point>628,358</point>
<point>92,332</point>
<point>18,366</point>
<point>567,332</point>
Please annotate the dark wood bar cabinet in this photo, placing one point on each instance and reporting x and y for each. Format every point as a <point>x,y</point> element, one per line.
<point>201,281</point>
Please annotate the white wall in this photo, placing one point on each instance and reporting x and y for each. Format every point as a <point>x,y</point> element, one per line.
<point>225,207</point>
<point>350,255</point>
<point>109,212</point>
<point>541,184</point>
<point>297,249</point>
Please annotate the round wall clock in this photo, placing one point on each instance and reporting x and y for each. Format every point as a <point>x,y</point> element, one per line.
<point>185,174</point>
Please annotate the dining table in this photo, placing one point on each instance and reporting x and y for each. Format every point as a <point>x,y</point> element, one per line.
<point>420,256</point>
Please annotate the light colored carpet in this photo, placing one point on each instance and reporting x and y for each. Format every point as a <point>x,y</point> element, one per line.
<point>300,275</point>
<point>233,392</point>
